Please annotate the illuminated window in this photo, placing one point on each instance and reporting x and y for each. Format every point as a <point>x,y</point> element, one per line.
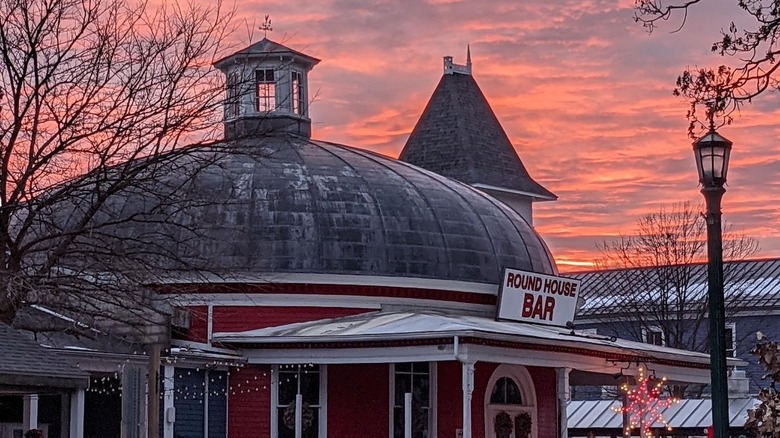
<point>414,378</point>
<point>266,90</point>
<point>297,97</point>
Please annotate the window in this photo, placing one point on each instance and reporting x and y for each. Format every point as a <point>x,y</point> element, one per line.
<point>731,339</point>
<point>653,335</point>
<point>414,378</point>
<point>294,380</point>
<point>233,96</point>
<point>297,97</point>
<point>506,392</point>
<point>266,90</point>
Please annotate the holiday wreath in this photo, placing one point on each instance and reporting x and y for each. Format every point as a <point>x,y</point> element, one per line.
<point>307,416</point>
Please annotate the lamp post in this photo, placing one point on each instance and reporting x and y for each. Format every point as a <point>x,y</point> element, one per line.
<point>712,160</point>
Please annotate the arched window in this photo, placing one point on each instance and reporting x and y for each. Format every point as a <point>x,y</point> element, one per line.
<point>506,392</point>
<point>510,404</point>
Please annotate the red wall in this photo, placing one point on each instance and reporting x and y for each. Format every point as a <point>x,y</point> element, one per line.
<point>241,318</point>
<point>449,396</point>
<point>358,397</point>
<point>199,324</point>
<point>249,404</point>
<point>546,401</point>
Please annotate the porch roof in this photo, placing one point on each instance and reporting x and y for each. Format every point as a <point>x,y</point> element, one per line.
<point>26,366</point>
<point>457,335</point>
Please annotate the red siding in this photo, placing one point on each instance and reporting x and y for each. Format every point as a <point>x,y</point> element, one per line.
<point>449,397</point>
<point>249,402</point>
<point>241,318</point>
<point>199,323</point>
<point>358,401</point>
<point>546,401</point>
<point>482,373</point>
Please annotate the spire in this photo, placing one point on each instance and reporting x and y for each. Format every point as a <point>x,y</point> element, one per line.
<point>459,136</point>
<point>468,57</point>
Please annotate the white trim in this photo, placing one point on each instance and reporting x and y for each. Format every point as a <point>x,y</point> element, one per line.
<point>514,192</point>
<point>519,374</point>
<point>210,323</point>
<point>433,400</point>
<point>335,279</point>
<point>324,401</point>
<point>168,400</point>
<point>274,400</point>
<point>733,327</point>
<point>339,301</point>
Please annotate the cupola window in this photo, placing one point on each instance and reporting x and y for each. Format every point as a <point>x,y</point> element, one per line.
<point>266,90</point>
<point>233,96</point>
<point>297,97</point>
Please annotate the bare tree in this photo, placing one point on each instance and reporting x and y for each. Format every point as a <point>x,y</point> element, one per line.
<point>654,281</point>
<point>764,417</point>
<point>98,99</point>
<point>724,89</point>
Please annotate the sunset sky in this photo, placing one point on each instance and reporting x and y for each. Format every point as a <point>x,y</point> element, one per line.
<point>583,92</point>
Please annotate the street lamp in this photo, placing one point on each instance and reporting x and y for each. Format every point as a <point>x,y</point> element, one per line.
<point>712,160</point>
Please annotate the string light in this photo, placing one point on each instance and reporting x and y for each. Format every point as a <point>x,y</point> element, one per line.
<point>644,406</point>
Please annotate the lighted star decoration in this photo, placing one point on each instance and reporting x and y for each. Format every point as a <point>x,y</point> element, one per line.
<point>644,406</point>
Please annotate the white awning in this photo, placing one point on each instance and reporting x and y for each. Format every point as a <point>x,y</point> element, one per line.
<point>687,414</point>
<point>376,337</point>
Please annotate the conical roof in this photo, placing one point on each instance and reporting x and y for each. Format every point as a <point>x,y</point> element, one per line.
<point>459,136</point>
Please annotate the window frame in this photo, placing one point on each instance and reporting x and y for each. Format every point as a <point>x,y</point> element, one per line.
<point>272,85</point>
<point>432,400</point>
<point>732,327</point>
<point>655,330</point>
<point>298,93</point>
<point>323,389</point>
<point>233,95</point>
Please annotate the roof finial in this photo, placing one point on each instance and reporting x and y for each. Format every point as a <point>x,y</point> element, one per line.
<point>266,26</point>
<point>468,57</point>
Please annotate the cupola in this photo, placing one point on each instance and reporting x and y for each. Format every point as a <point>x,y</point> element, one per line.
<point>267,90</point>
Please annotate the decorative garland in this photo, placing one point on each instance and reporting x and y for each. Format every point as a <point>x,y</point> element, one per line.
<point>307,416</point>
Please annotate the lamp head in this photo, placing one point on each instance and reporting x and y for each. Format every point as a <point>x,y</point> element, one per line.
<point>712,152</point>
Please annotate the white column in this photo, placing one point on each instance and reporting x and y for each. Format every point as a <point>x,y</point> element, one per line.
<point>408,415</point>
<point>168,408</point>
<point>77,414</point>
<point>298,415</point>
<point>30,418</point>
<point>564,395</point>
<point>468,388</point>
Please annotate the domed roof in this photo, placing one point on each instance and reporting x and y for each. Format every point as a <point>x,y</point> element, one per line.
<point>309,206</point>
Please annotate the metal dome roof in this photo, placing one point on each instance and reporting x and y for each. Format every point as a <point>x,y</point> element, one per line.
<point>314,207</point>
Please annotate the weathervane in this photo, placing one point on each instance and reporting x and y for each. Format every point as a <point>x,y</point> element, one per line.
<point>266,26</point>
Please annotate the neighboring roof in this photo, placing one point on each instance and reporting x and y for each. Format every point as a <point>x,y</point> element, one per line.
<point>459,136</point>
<point>687,414</point>
<point>748,284</point>
<point>267,47</point>
<point>25,364</point>
<point>421,326</point>
<point>286,204</point>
